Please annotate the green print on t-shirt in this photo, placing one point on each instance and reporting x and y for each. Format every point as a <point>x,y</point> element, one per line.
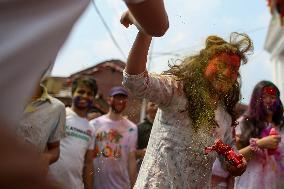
<point>77,133</point>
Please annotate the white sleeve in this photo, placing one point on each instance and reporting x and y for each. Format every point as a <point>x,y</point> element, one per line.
<point>154,87</point>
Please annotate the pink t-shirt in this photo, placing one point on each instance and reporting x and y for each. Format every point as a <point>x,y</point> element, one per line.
<point>114,141</point>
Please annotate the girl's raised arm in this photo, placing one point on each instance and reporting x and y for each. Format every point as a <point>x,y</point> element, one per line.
<point>137,58</point>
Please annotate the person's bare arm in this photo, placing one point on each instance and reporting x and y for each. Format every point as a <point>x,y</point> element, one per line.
<point>246,151</point>
<point>88,172</point>
<point>132,169</point>
<point>53,151</point>
<point>269,142</point>
<point>50,155</point>
<point>151,17</point>
<point>137,58</point>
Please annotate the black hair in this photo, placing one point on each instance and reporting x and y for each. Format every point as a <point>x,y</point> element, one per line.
<point>255,117</point>
<point>87,81</point>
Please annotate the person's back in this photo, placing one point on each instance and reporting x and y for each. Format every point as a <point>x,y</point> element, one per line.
<point>43,121</point>
<point>42,126</point>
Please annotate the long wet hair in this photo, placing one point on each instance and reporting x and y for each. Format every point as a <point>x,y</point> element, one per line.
<point>255,117</point>
<point>198,89</point>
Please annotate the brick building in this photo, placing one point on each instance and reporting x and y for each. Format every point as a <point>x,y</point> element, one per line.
<point>107,74</point>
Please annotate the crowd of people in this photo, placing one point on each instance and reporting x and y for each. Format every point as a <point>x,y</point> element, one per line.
<point>81,153</point>
<point>107,151</point>
<point>190,107</point>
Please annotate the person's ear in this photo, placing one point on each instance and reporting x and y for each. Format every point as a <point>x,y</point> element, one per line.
<point>109,99</point>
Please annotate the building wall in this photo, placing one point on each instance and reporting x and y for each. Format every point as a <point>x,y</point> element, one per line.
<point>274,44</point>
<point>107,78</point>
<point>54,84</point>
<point>107,74</point>
<point>278,73</point>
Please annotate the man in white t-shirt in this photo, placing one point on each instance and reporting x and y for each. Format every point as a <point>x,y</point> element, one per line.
<point>115,146</point>
<point>74,169</point>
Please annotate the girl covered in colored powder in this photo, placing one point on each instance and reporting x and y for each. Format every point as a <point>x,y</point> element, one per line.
<point>196,101</point>
<point>256,141</point>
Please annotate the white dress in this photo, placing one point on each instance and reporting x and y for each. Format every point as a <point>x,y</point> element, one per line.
<point>175,153</point>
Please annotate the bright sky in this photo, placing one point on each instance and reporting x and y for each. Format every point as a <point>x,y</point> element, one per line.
<point>191,21</point>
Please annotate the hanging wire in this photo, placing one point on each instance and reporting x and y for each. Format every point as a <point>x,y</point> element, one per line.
<point>109,30</point>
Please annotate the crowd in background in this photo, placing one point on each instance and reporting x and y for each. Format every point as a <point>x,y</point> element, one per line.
<point>189,106</point>
<point>107,151</point>
<point>104,152</point>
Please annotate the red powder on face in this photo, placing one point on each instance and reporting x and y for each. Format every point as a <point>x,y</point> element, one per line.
<point>269,90</point>
<point>231,60</point>
<point>211,68</point>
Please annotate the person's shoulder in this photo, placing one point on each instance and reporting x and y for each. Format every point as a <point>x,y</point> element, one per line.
<point>91,127</point>
<point>142,124</point>
<point>56,103</point>
<point>131,126</point>
<point>98,120</point>
<point>69,111</point>
<point>175,83</point>
<point>130,123</point>
<point>163,76</point>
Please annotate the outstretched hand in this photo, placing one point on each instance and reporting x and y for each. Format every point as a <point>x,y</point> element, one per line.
<point>269,142</point>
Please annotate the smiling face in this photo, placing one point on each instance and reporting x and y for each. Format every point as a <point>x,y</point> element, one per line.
<point>222,71</point>
<point>83,97</point>
<point>118,103</point>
